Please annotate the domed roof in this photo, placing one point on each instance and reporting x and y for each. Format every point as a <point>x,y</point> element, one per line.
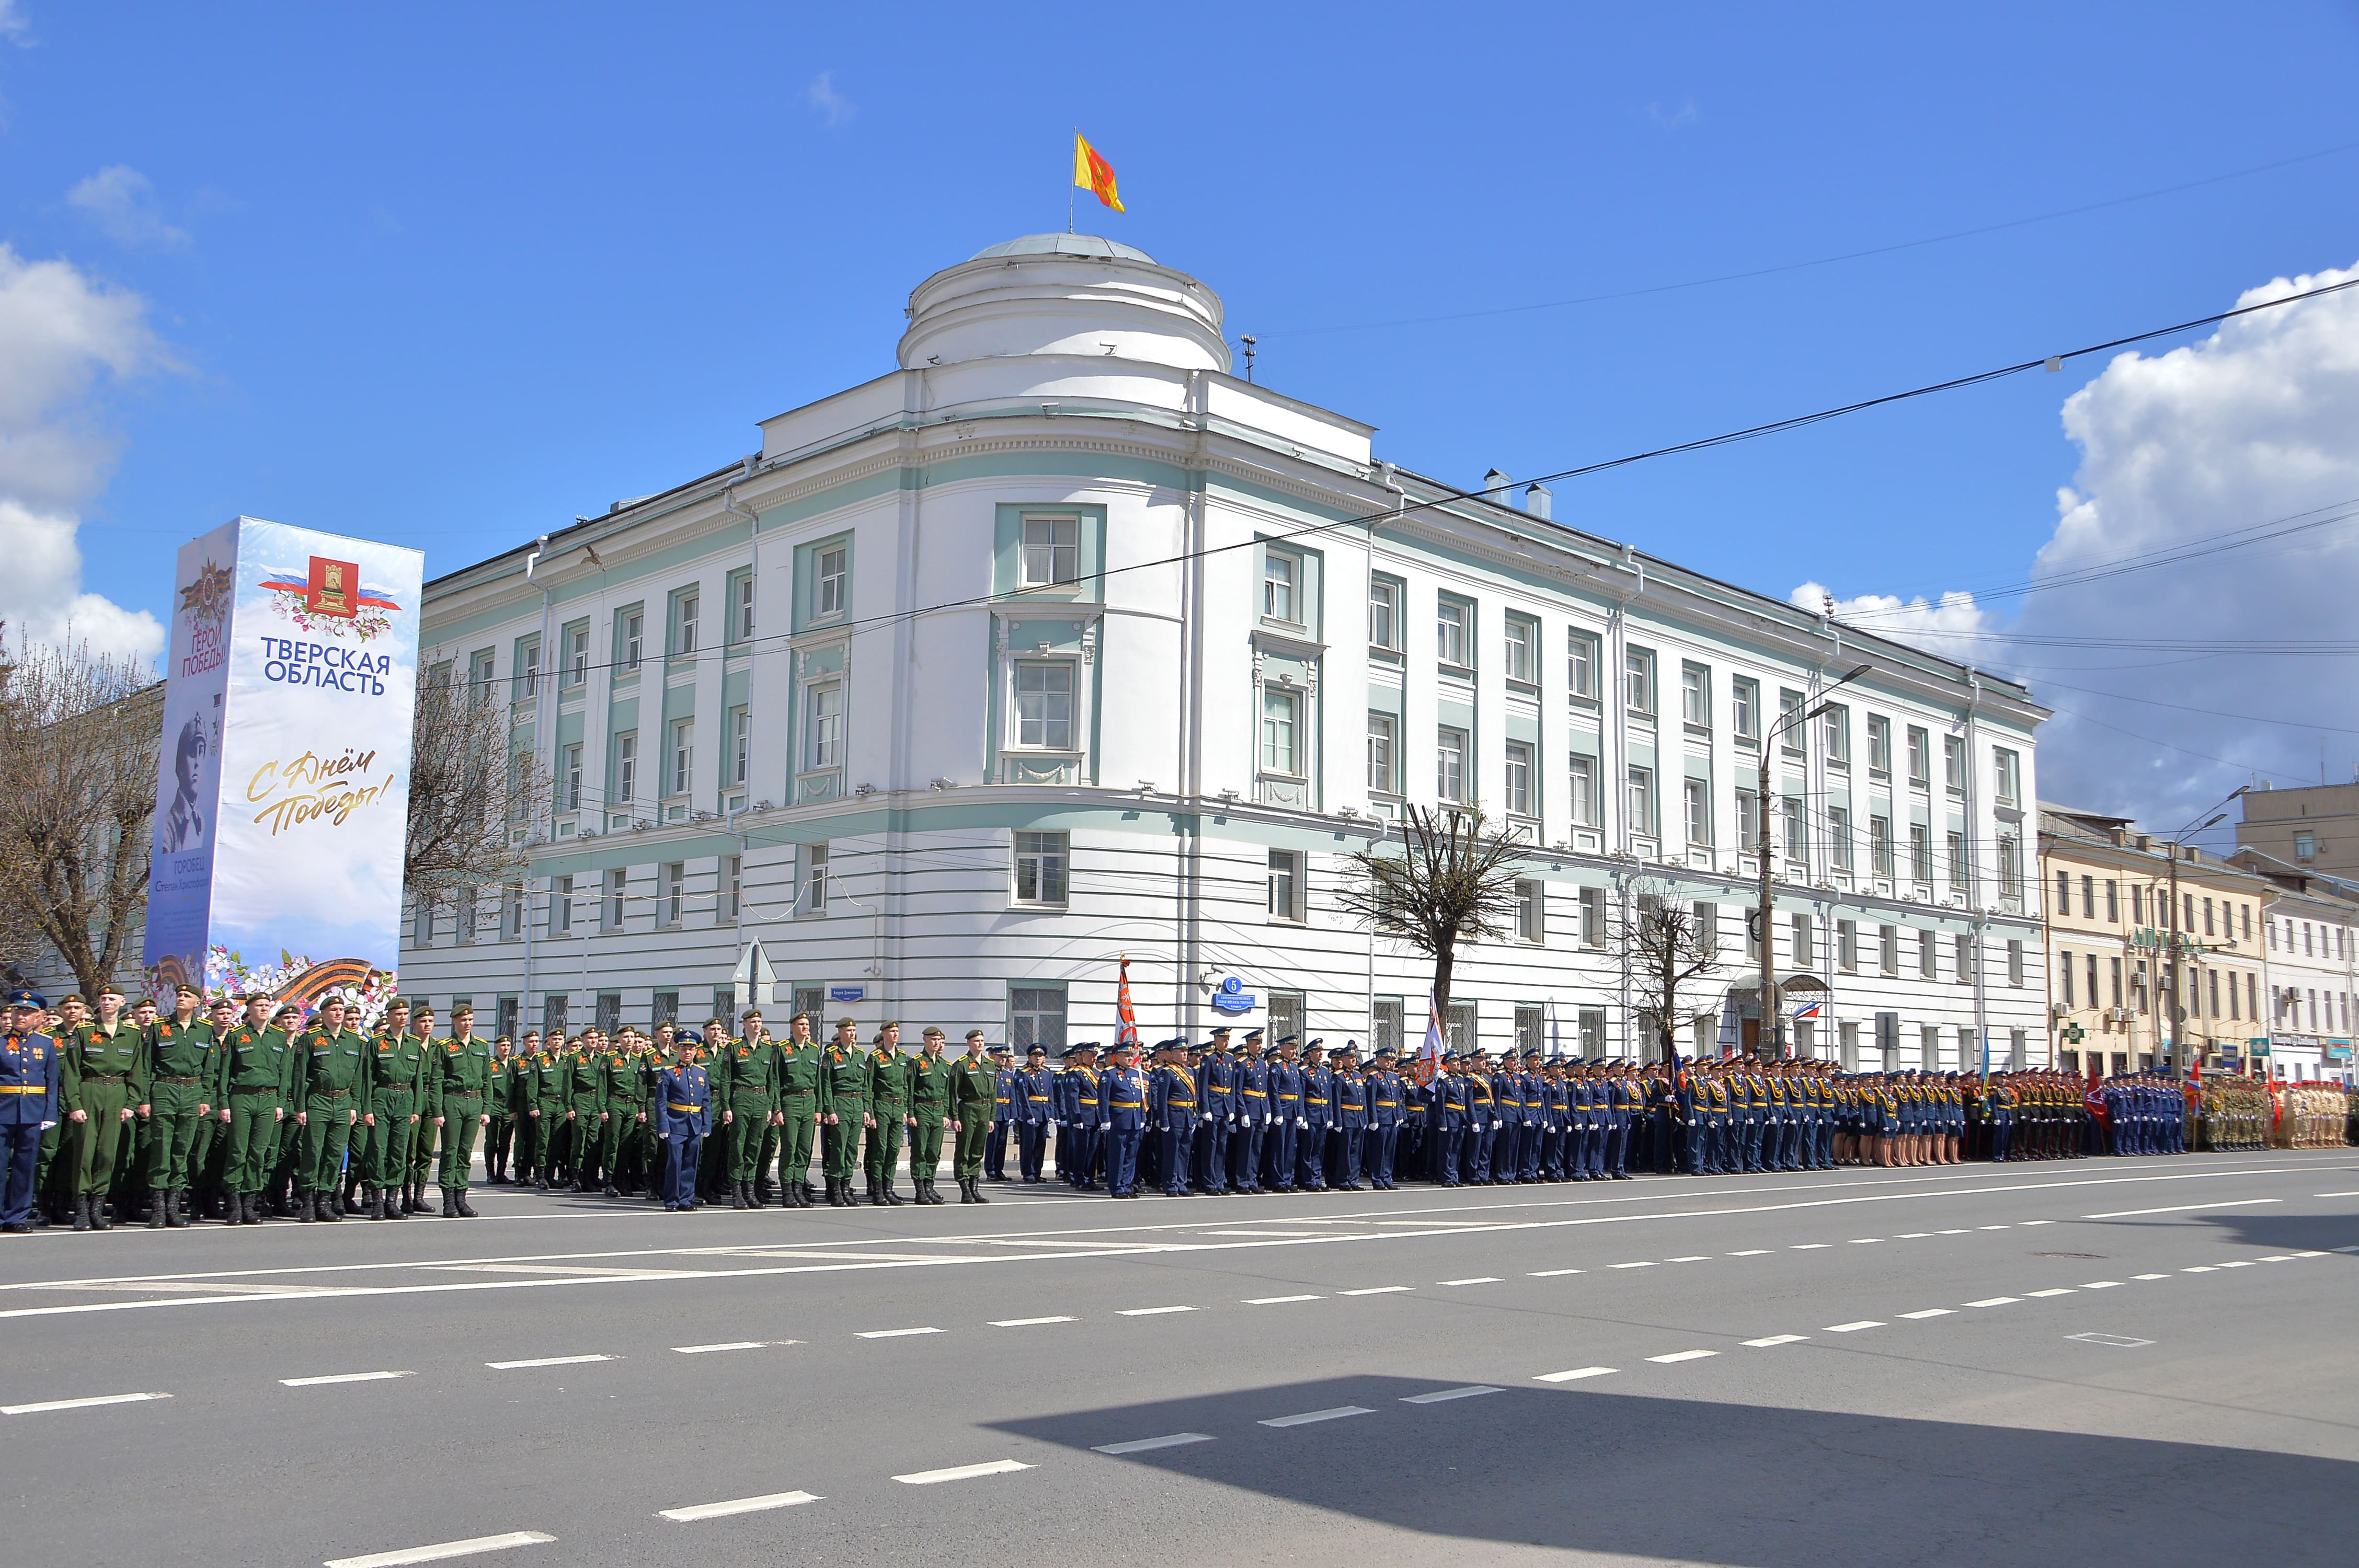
<point>1063,245</point>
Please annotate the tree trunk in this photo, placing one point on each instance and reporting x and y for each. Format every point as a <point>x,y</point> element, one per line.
<point>1444,964</point>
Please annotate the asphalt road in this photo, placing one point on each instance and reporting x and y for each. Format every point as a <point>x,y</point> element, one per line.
<point>2142,1361</point>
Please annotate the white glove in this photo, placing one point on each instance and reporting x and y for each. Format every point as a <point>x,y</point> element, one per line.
<point>1300,1123</point>
<point>1105,1127</point>
<point>47,1125</point>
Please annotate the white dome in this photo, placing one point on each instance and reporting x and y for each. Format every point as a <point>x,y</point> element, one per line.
<point>1064,294</point>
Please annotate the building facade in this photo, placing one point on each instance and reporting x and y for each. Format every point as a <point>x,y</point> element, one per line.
<point>1059,645</point>
<point>2313,830</point>
<point>2312,956</point>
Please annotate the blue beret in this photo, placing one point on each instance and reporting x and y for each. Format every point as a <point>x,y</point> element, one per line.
<point>27,999</point>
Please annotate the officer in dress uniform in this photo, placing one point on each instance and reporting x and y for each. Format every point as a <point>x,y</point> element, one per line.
<point>1172,1108</point>
<point>1351,1119</point>
<point>1122,1110</point>
<point>683,1101</point>
<point>1078,1106</point>
<point>1251,1079</point>
<point>1032,1106</point>
<point>1007,1101</point>
<point>29,1074</point>
<point>1216,1104</point>
<point>1318,1115</point>
<point>1286,1119</point>
<point>1387,1112</point>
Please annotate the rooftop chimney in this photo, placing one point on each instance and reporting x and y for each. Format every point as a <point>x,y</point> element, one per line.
<point>1498,487</point>
<point>1540,501</point>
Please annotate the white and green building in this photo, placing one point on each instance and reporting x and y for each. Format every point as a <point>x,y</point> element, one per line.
<point>1058,642</point>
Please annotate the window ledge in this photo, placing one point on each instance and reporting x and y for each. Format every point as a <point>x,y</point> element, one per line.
<point>1456,672</point>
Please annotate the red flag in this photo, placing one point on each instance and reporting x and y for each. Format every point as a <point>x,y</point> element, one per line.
<point>1126,1018</point>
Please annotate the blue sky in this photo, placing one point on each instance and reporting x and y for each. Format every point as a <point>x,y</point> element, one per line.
<point>445,275</point>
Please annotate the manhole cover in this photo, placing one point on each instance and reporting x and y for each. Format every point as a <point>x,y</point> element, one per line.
<point>2068,1254</point>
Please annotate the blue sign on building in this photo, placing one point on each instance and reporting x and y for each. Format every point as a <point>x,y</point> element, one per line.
<point>1226,1000</point>
<point>847,993</point>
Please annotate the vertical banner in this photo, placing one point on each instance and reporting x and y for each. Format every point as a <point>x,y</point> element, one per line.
<point>286,837</point>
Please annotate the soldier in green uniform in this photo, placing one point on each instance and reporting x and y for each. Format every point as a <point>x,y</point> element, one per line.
<point>331,1091</point>
<point>179,1061</point>
<point>256,1067</point>
<point>53,1184</point>
<point>888,1112</point>
<point>458,1072</point>
<point>525,1107</point>
<point>132,1193</point>
<point>544,1104</point>
<point>499,1101</point>
<point>623,1102</point>
<point>929,1114</point>
<point>209,1155</point>
<point>105,1075</point>
<point>585,1096</point>
<point>744,1084</point>
<point>420,1168</point>
<point>842,1110</point>
<point>361,1158</point>
<point>396,1063</point>
<point>975,1101</point>
<point>794,1070</point>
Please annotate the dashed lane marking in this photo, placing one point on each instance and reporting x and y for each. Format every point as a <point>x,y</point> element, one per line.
<point>1146,1444</point>
<point>1775,1339</point>
<point>1279,1301</point>
<point>1865,1240</point>
<point>444,1551</point>
<point>2240,1263</point>
<point>343,1377</point>
<point>1992,1227</point>
<point>1809,1246</point>
<point>1752,1253</point>
<point>1928,1312</point>
<point>1151,1311</point>
<point>690,1514</point>
<point>1676,1356</point>
<point>1440,1396</point>
<point>1915,1235</point>
<point>1307,1417</point>
<point>2102,1285</point>
<point>962,1472</point>
<point>1576,1375</point>
<point>1646,1265</point>
<point>1954,1233</point>
<point>2054,1291</point>
<point>2199,1269</point>
<point>1995,1301</point>
<point>2179,1208</point>
<point>2028,1224</point>
<point>545,1361</point>
<point>731,1344</point>
<point>1853,1327</point>
<point>1478,1280</point>
<point>1378,1291</point>
<point>1031,1322</point>
<point>894,1334</point>
<point>1696,1258</point>
<point>1552,1273</point>
<point>44,1406</point>
<point>2150,1276</point>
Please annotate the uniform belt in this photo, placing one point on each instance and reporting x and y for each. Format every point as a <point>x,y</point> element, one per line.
<point>24,1088</point>
<point>335,1094</point>
<point>1258,1094</point>
<point>1178,1104</point>
<point>181,1082</point>
<point>1318,1100</point>
<point>1385,1104</point>
<point>1289,1097</point>
<point>676,1106</point>
<point>103,1079</point>
<point>797,1094</point>
<point>251,1090</point>
<point>1126,1105</point>
<point>1036,1099</point>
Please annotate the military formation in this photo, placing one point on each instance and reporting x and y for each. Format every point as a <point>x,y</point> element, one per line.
<point>247,1108</point>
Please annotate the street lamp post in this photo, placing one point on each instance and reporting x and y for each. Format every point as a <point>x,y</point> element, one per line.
<point>1773,1032</point>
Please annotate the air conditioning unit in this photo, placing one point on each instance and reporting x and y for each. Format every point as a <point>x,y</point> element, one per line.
<point>2117,1015</point>
<point>2058,1011</point>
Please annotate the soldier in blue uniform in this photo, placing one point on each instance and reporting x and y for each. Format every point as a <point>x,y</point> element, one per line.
<point>30,1077</point>
<point>1285,1120</point>
<point>1032,1108</point>
<point>1121,1108</point>
<point>1349,1144</point>
<point>1317,1116</point>
<point>1386,1111</point>
<point>1250,1079</point>
<point>1003,1114</point>
<point>1448,1114</point>
<point>683,1106</point>
<point>1172,1110</point>
<point>1216,1104</point>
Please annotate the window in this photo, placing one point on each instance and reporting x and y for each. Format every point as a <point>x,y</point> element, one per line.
<point>1798,836</point>
<point>684,609</point>
<point>1638,680</point>
<point>1879,744</point>
<point>506,1011</point>
<point>627,768</point>
<point>675,892</point>
<point>1698,795</point>
<point>1384,614</point>
<point>1044,704</point>
<point>1834,734</point>
<point>1282,712</point>
<point>812,880</point>
<point>570,775</point>
<point>1285,884</point>
<point>1956,845</point>
<point>2010,868</point>
<point>1450,632</point>
<point>529,667</point>
<point>2305,846</point>
<point>422,932</point>
<point>2114,904</point>
<point>2063,892</point>
<point>1920,757</point>
<point>1962,962</point>
<point>1802,942</point>
<point>1040,866</point>
<point>1920,852</point>
<point>1523,648</point>
<point>1791,740</point>
<point>1528,906</point>
<point>1592,1031</point>
<point>1847,945</point>
<point>2207,927</point>
<point>1707,925</point>
<point>1035,1016</point>
<point>1953,763</point>
<point>1748,821</point>
<point>683,755</point>
<point>2088,898</point>
<point>1383,754</point>
<point>1839,838</point>
<point>2007,777</point>
<point>1450,780</point>
<point>1052,551</point>
<point>1280,579</point>
<point>1695,696</point>
<point>1580,666</point>
<point>1928,958</point>
<point>611,914</point>
<point>733,889</point>
<point>577,656</point>
<point>1744,709</point>
<point>635,638</point>
<point>741,744</point>
<point>1582,783</point>
<point>1387,1024</point>
<point>1593,917</point>
<point>831,581</point>
<point>2015,969</point>
<point>1642,800</point>
<point>824,725</point>
<point>1519,778</point>
<point>1887,943</point>
<point>561,905</point>
<point>553,1013</point>
<point>1879,846</point>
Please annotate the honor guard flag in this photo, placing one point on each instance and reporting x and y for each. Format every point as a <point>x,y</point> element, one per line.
<point>1125,1025</point>
<point>1094,175</point>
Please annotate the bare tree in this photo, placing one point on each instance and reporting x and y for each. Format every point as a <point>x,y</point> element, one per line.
<point>79,733</point>
<point>1665,947</point>
<point>472,800</point>
<point>1450,880</point>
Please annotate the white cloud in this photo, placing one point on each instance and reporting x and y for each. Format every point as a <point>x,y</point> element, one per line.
<point>15,26</point>
<point>122,201</point>
<point>61,334</point>
<point>1950,626</point>
<point>834,108</point>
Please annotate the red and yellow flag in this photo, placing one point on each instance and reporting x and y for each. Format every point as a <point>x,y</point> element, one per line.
<point>1094,175</point>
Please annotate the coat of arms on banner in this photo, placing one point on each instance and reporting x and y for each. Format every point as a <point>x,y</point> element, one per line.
<point>329,599</point>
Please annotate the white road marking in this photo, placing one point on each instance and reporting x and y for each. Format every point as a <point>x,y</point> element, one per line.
<point>1915,1235</point>
<point>2102,1285</point>
<point>1954,1233</point>
<point>2199,1269</point>
<point>2279,1258</point>
<point>1775,1339</point>
<point>1142,1444</point>
<point>1752,1253</point>
<point>733,1345</point>
<point>2343,1250</point>
<point>1279,1301</point>
<point>736,1506</point>
<point>962,1472</point>
<point>1439,1395</point>
<point>2057,1290</point>
<point>2027,1224</point>
<point>1683,1355</point>
<point>1152,1312</point>
<point>545,1361</point>
<point>1575,1375</point>
<point>1307,1417</point>
<point>1865,1240</point>
<point>1552,1273</point>
<point>1853,1327</point>
<point>1632,1265</point>
<point>2150,1276</point>
<point>1809,1246</point>
<point>446,1549</point>
<point>1031,1322</point>
<point>2239,1263</point>
<point>1698,1257</point>
<point>894,1333</point>
<point>1478,1280</point>
<point>1991,1228</point>
<point>2118,1341</point>
<point>2177,1209</point>
<point>2351,1195</point>
<point>1928,1312</point>
<point>343,1377</point>
<point>2310,1254</point>
<point>1996,1301</point>
<point>46,1405</point>
<point>1378,1291</point>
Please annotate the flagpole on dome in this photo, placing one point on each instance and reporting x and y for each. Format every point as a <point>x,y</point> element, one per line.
<point>1071,186</point>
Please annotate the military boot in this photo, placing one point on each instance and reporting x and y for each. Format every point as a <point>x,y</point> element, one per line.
<point>156,1210</point>
<point>975,1186</point>
<point>736,1195</point>
<point>466,1210</point>
<point>81,1212</point>
<point>98,1215</point>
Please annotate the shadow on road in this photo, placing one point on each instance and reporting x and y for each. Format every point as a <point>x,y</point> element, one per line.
<point>1580,1469</point>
